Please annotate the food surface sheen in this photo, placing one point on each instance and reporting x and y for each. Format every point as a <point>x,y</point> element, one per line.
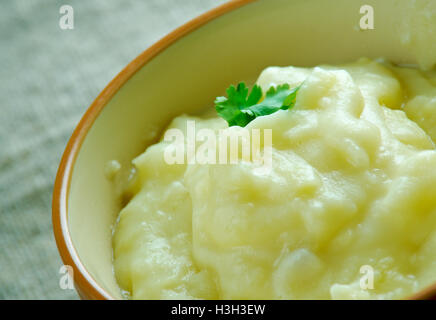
<point>353,184</point>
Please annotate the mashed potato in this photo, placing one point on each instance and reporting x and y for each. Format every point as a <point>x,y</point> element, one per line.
<point>353,185</point>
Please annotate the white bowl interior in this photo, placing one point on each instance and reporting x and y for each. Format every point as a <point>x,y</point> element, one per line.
<point>186,78</point>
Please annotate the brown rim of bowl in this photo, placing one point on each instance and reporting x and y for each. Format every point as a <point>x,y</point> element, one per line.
<point>86,285</point>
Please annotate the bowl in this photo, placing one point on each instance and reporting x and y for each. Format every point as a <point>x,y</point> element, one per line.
<point>183,73</point>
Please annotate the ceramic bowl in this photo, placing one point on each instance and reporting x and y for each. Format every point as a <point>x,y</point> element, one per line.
<point>183,73</point>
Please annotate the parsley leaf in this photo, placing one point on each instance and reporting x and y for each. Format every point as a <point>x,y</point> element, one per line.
<point>240,108</point>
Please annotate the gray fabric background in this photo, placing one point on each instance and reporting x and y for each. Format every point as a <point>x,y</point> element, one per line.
<point>48,77</point>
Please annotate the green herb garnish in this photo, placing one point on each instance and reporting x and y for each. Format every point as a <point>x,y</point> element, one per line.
<point>240,108</point>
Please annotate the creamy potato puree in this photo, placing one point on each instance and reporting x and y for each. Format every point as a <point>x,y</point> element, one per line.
<point>416,24</point>
<point>353,183</point>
